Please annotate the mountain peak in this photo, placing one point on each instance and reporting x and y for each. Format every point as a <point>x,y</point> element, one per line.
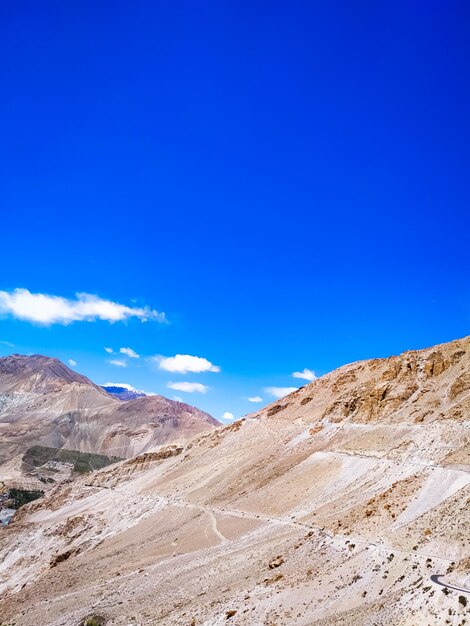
<point>38,370</point>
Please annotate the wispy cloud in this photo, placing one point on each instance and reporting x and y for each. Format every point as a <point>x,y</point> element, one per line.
<point>129,352</point>
<point>228,416</point>
<point>255,399</point>
<point>7,343</point>
<point>184,363</point>
<point>123,385</point>
<point>118,362</point>
<point>45,309</point>
<point>72,362</point>
<point>279,392</point>
<point>109,350</point>
<point>188,387</point>
<point>305,374</point>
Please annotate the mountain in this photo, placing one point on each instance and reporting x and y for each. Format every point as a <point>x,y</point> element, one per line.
<point>44,402</point>
<point>345,503</point>
<point>122,391</point>
<point>39,374</point>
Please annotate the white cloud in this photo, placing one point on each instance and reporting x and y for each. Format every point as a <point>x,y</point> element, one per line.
<point>123,385</point>
<point>129,352</point>
<point>177,398</point>
<point>7,343</point>
<point>255,399</point>
<point>305,374</point>
<point>184,363</point>
<point>129,388</point>
<point>109,350</point>
<point>72,362</point>
<point>228,416</point>
<point>279,392</point>
<point>118,362</point>
<point>188,387</point>
<point>44,309</point>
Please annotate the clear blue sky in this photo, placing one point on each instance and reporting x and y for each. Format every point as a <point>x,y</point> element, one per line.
<point>288,181</point>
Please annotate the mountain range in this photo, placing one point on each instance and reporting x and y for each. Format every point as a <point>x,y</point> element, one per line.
<point>44,402</point>
<point>344,503</point>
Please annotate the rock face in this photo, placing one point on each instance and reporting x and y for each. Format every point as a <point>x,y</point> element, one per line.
<point>345,503</point>
<point>43,402</point>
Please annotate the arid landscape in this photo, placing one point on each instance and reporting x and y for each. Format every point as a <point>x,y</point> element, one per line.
<point>344,503</point>
<point>234,313</point>
<point>42,401</point>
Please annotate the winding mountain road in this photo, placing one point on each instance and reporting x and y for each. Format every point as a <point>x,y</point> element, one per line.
<point>435,580</point>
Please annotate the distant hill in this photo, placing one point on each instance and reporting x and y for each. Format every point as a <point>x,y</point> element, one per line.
<point>43,402</point>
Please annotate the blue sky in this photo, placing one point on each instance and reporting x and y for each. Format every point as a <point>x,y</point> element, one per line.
<point>287,182</point>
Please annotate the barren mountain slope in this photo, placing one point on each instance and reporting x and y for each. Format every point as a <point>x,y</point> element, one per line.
<point>134,426</point>
<point>336,505</point>
<point>43,402</point>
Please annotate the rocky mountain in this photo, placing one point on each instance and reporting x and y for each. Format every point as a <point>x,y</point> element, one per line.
<point>19,373</point>
<point>44,402</point>
<point>345,503</point>
<point>123,391</point>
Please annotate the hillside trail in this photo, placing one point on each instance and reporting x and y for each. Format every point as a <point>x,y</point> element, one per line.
<point>337,541</point>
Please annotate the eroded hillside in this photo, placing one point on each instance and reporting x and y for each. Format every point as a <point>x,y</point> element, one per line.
<point>344,503</point>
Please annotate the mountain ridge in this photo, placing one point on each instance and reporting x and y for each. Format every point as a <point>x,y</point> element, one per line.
<point>343,503</point>
<point>42,401</point>
<point>20,367</point>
